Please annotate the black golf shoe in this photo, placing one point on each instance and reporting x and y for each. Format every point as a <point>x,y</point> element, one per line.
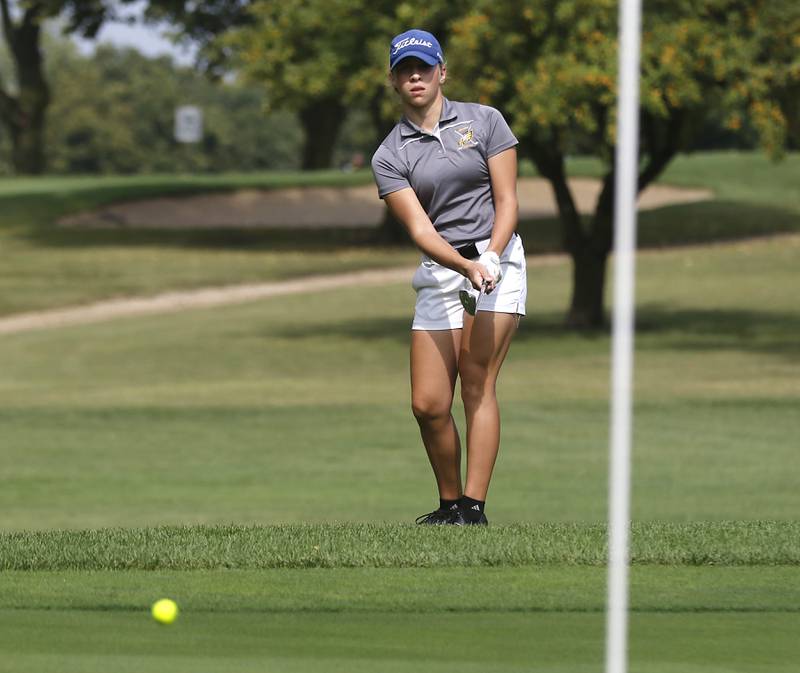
<point>466,518</point>
<point>439,517</point>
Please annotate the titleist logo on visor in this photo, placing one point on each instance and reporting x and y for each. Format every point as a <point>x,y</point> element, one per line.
<point>410,41</point>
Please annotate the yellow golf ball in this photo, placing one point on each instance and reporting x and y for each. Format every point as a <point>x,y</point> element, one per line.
<point>165,611</point>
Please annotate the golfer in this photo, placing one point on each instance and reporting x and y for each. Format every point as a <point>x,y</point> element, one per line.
<point>448,172</point>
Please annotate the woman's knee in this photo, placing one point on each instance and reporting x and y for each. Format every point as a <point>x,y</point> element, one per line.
<point>428,410</point>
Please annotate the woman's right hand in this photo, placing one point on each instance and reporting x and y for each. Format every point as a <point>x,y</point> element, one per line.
<point>479,276</point>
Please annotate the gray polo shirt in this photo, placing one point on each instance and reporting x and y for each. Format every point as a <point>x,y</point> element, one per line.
<point>447,169</point>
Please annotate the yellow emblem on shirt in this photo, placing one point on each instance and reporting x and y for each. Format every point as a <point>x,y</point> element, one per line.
<point>466,137</point>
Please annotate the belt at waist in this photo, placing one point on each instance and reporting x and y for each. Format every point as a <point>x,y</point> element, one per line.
<point>470,250</point>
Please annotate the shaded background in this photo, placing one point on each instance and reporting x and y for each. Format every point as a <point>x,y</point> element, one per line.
<point>296,409</point>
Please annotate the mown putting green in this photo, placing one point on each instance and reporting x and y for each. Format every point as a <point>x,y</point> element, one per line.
<point>362,619</point>
<point>94,642</point>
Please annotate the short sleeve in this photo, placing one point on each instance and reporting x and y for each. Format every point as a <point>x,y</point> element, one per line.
<point>500,136</point>
<point>388,174</point>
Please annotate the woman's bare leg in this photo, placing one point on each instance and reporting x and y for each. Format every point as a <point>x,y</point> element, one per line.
<point>484,344</point>
<point>434,367</point>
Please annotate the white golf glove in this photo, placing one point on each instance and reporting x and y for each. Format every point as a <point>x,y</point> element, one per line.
<point>491,261</point>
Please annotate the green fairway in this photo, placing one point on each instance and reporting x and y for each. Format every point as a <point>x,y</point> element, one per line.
<point>474,619</point>
<point>86,191</point>
<point>741,176</point>
<point>46,266</point>
<point>259,463</point>
<point>256,414</point>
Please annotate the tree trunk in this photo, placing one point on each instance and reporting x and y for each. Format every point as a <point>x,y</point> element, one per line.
<point>589,259</point>
<point>321,122</point>
<point>27,135</point>
<point>24,115</point>
<point>588,249</point>
<point>588,282</point>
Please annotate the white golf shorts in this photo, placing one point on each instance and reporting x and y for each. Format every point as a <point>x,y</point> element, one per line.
<point>438,306</point>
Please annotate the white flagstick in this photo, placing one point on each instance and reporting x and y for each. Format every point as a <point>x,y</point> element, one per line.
<point>627,170</point>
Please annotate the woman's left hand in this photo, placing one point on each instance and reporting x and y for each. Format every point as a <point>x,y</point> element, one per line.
<point>491,262</point>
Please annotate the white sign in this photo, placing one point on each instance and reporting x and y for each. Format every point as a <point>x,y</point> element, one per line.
<point>188,124</point>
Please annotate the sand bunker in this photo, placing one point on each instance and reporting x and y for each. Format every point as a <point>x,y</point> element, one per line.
<point>308,207</point>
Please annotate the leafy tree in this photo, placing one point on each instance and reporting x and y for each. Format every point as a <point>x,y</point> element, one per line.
<point>23,114</point>
<point>550,65</point>
<point>5,140</point>
<point>113,113</point>
<point>322,58</point>
<point>24,97</point>
<point>301,53</point>
<point>202,24</point>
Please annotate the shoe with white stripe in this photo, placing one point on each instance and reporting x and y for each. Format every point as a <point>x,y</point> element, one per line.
<point>462,518</point>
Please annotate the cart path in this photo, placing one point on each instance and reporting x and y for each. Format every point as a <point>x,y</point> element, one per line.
<point>172,302</point>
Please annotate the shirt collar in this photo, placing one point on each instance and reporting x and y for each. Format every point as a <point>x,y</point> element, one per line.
<point>409,128</point>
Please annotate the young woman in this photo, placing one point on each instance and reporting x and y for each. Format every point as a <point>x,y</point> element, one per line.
<point>448,172</point>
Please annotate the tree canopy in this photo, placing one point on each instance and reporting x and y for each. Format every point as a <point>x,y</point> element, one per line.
<point>302,54</point>
<point>550,65</point>
<point>113,112</point>
<point>24,92</point>
<point>323,57</point>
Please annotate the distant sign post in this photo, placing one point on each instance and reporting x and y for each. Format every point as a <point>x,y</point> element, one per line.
<point>188,124</point>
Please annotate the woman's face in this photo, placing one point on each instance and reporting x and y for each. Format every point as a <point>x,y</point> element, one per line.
<point>417,82</point>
